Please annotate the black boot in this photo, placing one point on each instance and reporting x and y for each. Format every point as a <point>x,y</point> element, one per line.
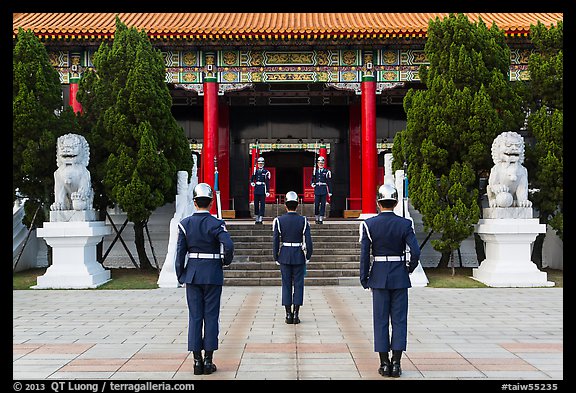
<point>198,363</point>
<point>209,366</point>
<point>289,315</point>
<point>385,365</point>
<point>296,311</point>
<point>396,369</point>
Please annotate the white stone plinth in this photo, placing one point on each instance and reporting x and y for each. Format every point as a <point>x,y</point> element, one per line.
<point>508,251</point>
<point>74,264</point>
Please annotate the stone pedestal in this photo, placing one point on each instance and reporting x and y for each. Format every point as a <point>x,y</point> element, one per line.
<point>74,264</point>
<point>508,251</point>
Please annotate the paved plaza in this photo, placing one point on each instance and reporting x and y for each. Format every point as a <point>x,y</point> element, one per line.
<point>453,334</point>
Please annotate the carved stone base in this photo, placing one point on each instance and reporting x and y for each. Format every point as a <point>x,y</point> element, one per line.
<point>508,253</point>
<point>72,215</point>
<point>507,212</point>
<point>74,264</point>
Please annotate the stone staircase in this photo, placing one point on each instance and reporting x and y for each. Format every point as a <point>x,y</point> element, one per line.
<point>335,260</point>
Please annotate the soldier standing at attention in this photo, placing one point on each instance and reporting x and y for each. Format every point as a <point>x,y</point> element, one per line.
<point>199,265</point>
<point>292,249</point>
<point>260,180</point>
<point>387,236</point>
<point>322,183</point>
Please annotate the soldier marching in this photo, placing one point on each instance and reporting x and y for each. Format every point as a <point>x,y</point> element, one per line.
<point>260,180</point>
<point>322,183</point>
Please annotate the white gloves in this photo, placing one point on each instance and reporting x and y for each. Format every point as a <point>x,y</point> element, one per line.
<point>252,184</point>
<point>277,263</point>
<point>267,194</point>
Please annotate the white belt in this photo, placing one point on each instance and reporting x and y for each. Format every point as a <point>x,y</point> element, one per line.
<point>388,258</point>
<point>199,255</point>
<point>259,183</point>
<point>292,244</point>
<point>321,184</point>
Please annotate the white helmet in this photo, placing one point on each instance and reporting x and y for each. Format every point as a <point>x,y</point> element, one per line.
<point>387,192</point>
<point>260,160</point>
<point>202,190</point>
<point>291,196</point>
<point>320,159</point>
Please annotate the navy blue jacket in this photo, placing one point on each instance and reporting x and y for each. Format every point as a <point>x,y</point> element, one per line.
<point>387,234</point>
<point>291,227</point>
<point>202,233</point>
<point>322,176</point>
<point>262,176</point>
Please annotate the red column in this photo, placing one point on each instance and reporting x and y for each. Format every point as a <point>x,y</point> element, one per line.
<point>76,107</point>
<point>224,155</point>
<point>209,149</point>
<point>369,151</point>
<point>355,140</point>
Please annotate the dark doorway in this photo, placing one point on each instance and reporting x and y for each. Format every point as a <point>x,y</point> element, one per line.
<point>289,179</point>
<point>289,169</point>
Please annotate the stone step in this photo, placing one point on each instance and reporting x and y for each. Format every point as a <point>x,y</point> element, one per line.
<point>254,239</point>
<point>334,245</point>
<point>313,264</point>
<point>324,259</point>
<point>229,274</point>
<point>308,281</point>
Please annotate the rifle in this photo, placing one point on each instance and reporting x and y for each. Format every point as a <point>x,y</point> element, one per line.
<point>315,163</point>
<point>218,202</point>
<point>256,157</point>
<point>217,190</point>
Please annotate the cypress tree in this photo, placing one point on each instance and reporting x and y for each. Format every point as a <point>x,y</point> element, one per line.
<point>545,158</point>
<point>451,124</point>
<point>38,119</point>
<point>127,107</point>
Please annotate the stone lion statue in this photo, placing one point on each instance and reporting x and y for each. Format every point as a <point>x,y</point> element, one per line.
<point>72,182</point>
<point>508,181</point>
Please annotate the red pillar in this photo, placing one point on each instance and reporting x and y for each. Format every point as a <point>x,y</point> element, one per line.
<point>355,140</point>
<point>76,107</point>
<point>369,151</point>
<point>209,149</point>
<point>224,155</point>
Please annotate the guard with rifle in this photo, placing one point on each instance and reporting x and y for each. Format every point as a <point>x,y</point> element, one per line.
<point>260,180</point>
<point>204,246</point>
<point>322,184</point>
<point>386,236</point>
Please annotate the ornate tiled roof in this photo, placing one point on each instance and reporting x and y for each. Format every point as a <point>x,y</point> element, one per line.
<point>267,26</point>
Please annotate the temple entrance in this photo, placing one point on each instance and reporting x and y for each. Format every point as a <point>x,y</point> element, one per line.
<point>289,169</point>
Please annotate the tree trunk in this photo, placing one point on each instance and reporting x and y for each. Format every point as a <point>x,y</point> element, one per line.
<point>537,250</point>
<point>141,246</point>
<point>445,260</point>
<point>479,246</point>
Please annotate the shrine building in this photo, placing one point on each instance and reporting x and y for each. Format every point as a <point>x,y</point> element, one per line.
<point>284,86</point>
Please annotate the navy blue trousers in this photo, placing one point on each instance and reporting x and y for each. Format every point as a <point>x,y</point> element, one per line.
<point>320,205</point>
<point>390,306</point>
<point>203,316</point>
<point>259,205</point>
<point>292,284</point>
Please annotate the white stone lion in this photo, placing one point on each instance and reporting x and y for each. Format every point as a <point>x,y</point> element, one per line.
<point>72,182</point>
<point>508,181</point>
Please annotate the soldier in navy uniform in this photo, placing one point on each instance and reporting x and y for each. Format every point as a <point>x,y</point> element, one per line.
<point>386,235</point>
<point>260,180</point>
<point>204,247</point>
<point>292,249</point>
<point>322,183</point>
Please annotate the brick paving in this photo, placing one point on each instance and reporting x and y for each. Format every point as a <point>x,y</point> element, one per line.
<point>453,334</point>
